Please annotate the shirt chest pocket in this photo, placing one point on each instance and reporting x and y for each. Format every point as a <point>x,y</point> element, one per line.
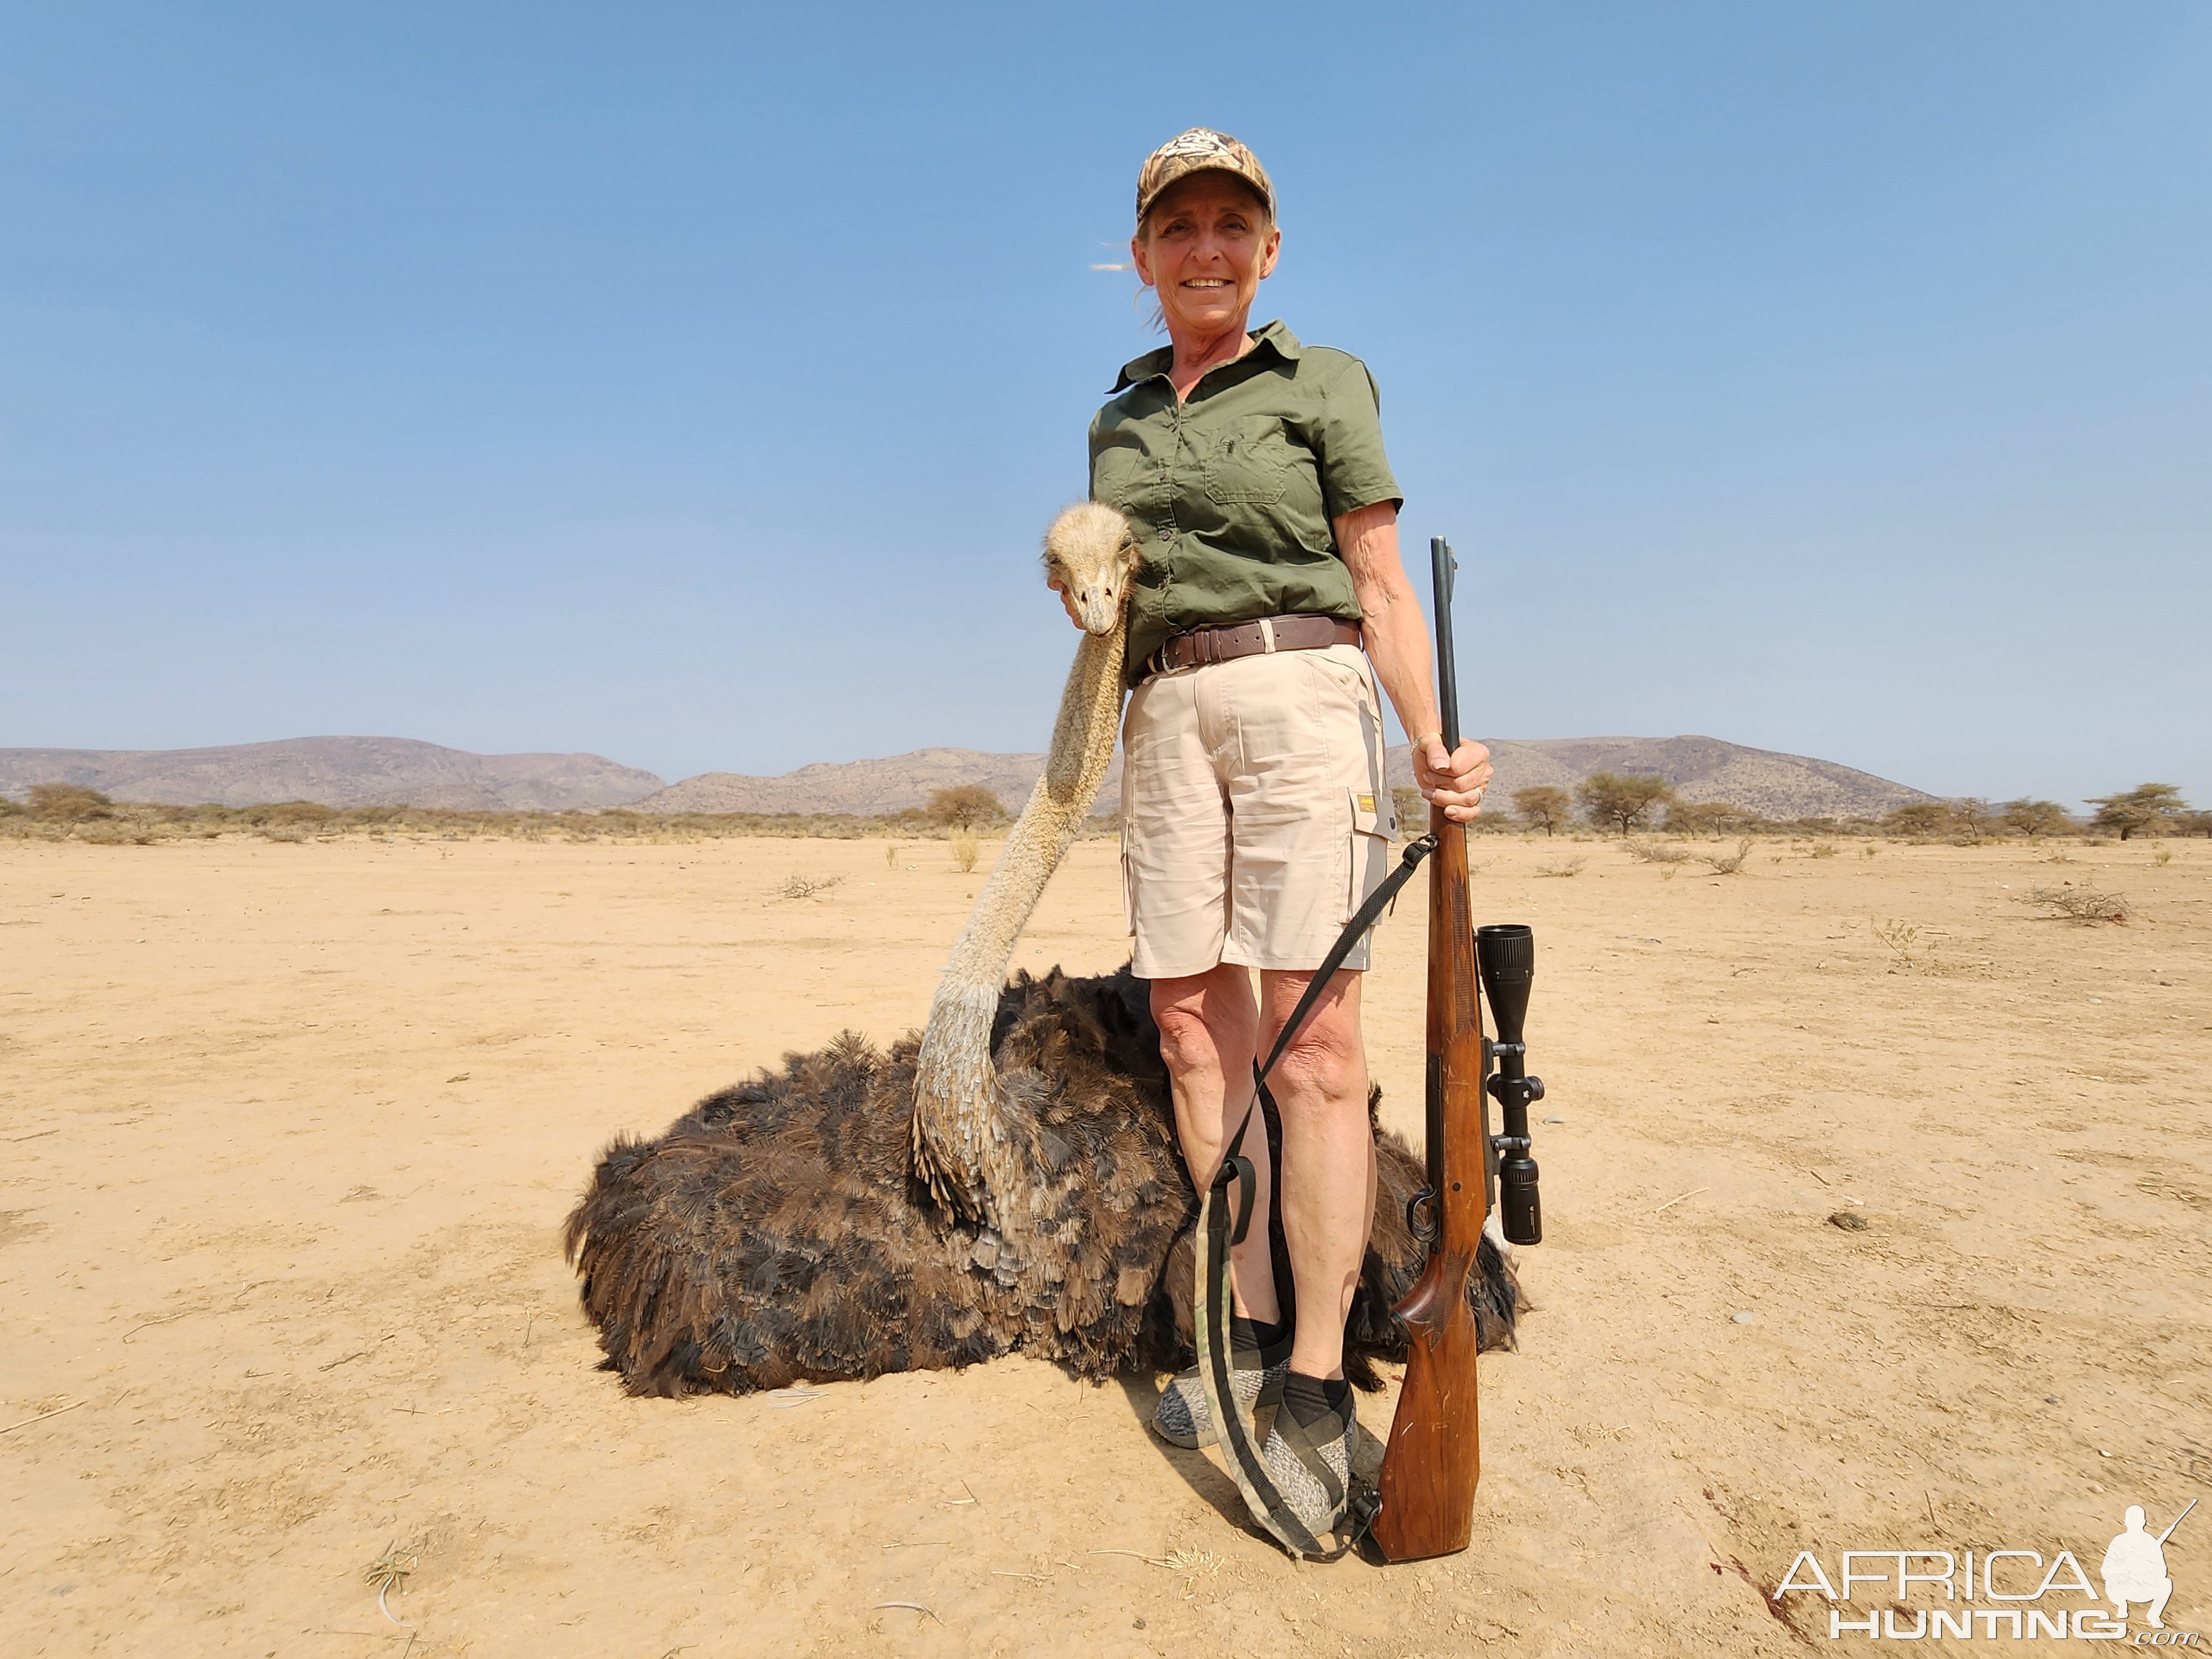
<point>1250,462</point>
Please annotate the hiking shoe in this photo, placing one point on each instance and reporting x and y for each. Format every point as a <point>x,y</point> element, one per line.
<point>1312,1468</point>
<point>1182,1418</point>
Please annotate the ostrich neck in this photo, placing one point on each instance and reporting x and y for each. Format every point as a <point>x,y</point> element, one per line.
<point>957,1138</point>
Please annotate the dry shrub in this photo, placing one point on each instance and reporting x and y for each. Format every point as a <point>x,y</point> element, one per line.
<point>805,887</point>
<point>891,856</point>
<point>1572,867</point>
<point>1918,821</point>
<point>1544,808</point>
<point>1900,936</point>
<point>2164,856</point>
<point>2086,905</point>
<point>964,805</point>
<point>1654,851</point>
<point>1727,864</point>
<point>1822,850</point>
<point>1622,800</point>
<point>2031,818</point>
<point>966,849</point>
<point>68,803</point>
<point>1709,818</point>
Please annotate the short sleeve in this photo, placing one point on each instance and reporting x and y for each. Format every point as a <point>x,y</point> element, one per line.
<point>1348,439</point>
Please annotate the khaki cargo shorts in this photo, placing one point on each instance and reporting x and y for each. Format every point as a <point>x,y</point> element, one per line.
<point>1256,811</point>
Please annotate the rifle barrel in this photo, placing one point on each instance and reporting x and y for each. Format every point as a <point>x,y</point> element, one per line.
<point>2177,1520</point>
<point>1443,567</point>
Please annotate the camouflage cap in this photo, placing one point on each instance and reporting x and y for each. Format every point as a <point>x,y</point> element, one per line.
<point>1200,151</point>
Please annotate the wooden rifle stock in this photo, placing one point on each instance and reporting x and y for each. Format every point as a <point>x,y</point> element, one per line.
<point>1435,1455</point>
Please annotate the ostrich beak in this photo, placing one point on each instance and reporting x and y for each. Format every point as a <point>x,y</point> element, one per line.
<point>1099,605</point>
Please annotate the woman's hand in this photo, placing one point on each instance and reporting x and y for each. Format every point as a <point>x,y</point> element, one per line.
<point>1066,603</point>
<point>1453,781</point>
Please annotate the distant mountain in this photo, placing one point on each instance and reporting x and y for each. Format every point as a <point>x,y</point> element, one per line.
<point>865,787</point>
<point>335,771</point>
<point>399,771</point>
<point>1701,768</point>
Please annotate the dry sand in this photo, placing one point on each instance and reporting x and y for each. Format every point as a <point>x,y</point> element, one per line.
<point>292,1130</point>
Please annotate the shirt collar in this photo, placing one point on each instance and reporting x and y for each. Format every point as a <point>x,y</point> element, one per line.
<point>1270,337</point>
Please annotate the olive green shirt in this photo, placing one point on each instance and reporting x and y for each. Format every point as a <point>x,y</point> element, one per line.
<point>1232,491</point>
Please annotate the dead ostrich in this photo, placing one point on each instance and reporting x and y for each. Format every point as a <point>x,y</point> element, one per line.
<point>1008,1179</point>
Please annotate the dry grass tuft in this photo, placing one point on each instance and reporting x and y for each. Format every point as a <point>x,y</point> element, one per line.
<point>966,849</point>
<point>1901,936</point>
<point>806,887</point>
<point>2086,905</point>
<point>1656,852</point>
<point>1572,867</point>
<point>1727,864</point>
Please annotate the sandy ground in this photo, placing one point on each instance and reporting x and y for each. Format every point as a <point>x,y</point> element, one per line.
<point>292,1130</point>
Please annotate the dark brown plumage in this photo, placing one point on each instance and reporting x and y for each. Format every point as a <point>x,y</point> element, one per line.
<point>776,1233</point>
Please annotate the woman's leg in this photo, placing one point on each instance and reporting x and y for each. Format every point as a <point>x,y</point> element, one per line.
<point>1209,1026</point>
<point>1328,1158</point>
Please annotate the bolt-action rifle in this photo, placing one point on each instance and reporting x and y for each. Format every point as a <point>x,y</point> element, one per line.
<point>1435,1457</point>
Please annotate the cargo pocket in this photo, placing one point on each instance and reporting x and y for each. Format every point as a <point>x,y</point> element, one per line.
<point>1373,823</point>
<point>1128,881</point>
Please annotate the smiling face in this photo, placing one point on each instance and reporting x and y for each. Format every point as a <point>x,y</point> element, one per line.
<point>1203,249</point>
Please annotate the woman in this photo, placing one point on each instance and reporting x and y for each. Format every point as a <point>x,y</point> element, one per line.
<point>1256,813</point>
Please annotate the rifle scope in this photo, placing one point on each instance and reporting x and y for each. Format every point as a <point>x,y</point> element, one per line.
<point>1506,954</point>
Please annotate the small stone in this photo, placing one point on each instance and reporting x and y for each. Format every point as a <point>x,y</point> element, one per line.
<point>2051,1399</point>
<point>1740,1319</point>
<point>1138,1623</point>
<point>1849,1220</point>
<point>1555,1119</point>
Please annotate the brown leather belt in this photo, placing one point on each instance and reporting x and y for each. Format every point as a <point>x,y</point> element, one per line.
<point>1227,641</point>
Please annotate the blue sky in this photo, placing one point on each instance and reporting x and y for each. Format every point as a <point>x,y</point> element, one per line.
<point>690,384</point>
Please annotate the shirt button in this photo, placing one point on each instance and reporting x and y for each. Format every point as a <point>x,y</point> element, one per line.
<point>1166,534</point>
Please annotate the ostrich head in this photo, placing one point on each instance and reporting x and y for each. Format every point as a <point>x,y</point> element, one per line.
<point>1091,552</point>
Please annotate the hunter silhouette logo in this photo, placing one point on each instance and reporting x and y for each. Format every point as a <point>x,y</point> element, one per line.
<point>2134,1568</point>
<point>1998,1594</point>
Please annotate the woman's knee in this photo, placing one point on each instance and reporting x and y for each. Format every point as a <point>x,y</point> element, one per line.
<point>1325,1062</point>
<point>1204,1022</point>
<point>1327,1058</point>
<point>1186,1043</point>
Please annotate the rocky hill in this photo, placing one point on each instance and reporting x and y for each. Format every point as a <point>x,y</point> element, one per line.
<point>864,787</point>
<point>395,771</point>
<point>1763,781</point>
<point>335,771</point>
<point>1702,768</point>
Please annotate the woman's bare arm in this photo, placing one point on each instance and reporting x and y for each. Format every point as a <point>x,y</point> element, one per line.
<point>1397,639</point>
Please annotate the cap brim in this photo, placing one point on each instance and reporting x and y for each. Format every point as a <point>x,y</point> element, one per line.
<point>1267,196</point>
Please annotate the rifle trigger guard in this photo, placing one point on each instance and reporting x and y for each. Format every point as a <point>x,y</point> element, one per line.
<point>1421,1216</point>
